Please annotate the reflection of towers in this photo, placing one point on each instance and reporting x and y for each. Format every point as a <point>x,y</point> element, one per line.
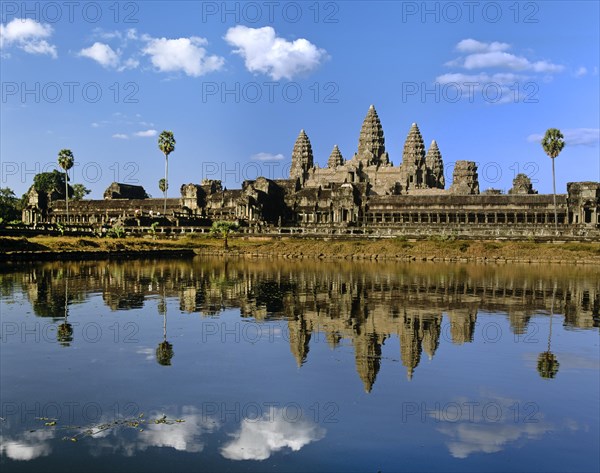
<point>432,328</point>
<point>333,339</point>
<point>367,350</point>
<point>187,299</point>
<point>462,324</point>
<point>410,345</point>
<point>417,333</point>
<point>519,321</point>
<point>299,339</point>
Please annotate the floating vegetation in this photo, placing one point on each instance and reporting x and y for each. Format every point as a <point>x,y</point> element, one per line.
<point>77,432</point>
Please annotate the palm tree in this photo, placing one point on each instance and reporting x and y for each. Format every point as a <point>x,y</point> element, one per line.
<point>166,143</point>
<point>65,161</point>
<point>224,229</point>
<point>162,185</point>
<point>553,143</point>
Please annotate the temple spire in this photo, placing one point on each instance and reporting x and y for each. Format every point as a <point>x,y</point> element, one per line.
<point>335,158</point>
<point>371,142</point>
<point>413,158</point>
<point>435,167</point>
<point>302,157</point>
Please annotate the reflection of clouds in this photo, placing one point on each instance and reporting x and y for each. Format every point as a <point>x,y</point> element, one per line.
<point>255,440</point>
<point>27,446</point>
<point>149,353</point>
<point>258,439</point>
<point>469,438</point>
<point>477,432</point>
<point>184,436</point>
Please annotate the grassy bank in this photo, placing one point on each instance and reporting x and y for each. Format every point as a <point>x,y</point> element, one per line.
<point>389,249</point>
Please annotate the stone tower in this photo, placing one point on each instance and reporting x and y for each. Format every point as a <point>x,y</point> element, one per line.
<point>522,185</point>
<point>302,157</point>
<point>413,159</point>
<point>371,142</point>
<point>335,158</point>
<point>465,179</point>
<point>435,167</point>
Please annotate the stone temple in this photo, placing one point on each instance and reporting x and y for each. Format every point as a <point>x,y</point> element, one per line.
<point>366,194</point>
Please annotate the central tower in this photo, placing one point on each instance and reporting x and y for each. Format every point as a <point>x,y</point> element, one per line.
<point>371,142</point>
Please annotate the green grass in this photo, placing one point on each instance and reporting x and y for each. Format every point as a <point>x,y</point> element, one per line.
<point>330,248</point>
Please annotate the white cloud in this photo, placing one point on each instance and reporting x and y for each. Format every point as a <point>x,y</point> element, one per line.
<point>258,439</point>
<point>267,157</point>
<point>102,53</point>
<point>130,63</point>
<point>474,46</point>
<point>266,53</point>
<point>573,137</point>
<point>146,133</point>
<point>501,59</point>
<point>493,55</point>
<point>481,78</point>
<point>582,71</point>
<point>516,78</point>
<point>109,56</point>
<point>129,34</point>
<point>493,88</point>
<point>120,136</point>
<point>28,35</point>
<point>183,54</point>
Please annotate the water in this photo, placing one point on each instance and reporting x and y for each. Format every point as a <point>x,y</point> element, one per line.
<point>244,365</point>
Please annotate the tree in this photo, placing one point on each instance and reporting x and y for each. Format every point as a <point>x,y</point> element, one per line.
<point>162,185</point>
<point>553,143</point>
<point>48,182</point>
<point>166,143</point>
<point>548,364</point>
<point>164,350</point>
<point>65,161</point>
<point>9,205</point>
<point>224,229</point>
<point>80,191</point>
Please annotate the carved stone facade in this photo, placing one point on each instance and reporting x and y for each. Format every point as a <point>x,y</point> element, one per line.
<point>361,195</point>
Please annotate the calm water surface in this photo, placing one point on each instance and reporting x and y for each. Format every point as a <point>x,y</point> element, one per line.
<point>243,365</point>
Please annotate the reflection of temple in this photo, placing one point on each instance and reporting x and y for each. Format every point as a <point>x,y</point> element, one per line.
<point>361,305</point>
<point>364,194</point>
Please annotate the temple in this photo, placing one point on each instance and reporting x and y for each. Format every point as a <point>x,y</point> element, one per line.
<point>364,195</point>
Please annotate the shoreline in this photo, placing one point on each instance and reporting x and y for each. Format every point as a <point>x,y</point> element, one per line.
<point>461,251</point>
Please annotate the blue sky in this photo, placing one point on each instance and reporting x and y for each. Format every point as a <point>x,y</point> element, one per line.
<point>237,81</point>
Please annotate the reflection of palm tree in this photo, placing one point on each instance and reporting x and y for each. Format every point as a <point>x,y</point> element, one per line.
<point>164,351</point>
<point>64,334</point>
<point>548,364</point>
